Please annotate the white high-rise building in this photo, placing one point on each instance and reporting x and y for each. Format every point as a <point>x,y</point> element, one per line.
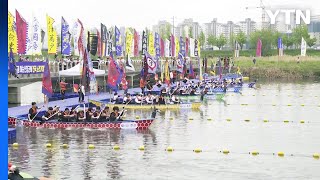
<point>247,26</point>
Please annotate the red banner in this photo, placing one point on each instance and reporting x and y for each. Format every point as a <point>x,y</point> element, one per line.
<point>136,44</point>
<point>22,27</point>
<point>99,43</point>
<point>161,47</point>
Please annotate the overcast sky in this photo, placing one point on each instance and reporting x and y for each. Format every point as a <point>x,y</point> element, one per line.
<point>145,13</point>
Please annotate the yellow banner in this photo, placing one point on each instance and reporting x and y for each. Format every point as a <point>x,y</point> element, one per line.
<point>177,46</point>
<point>166,71</point>
<point>129,40</point>
<point>52,36</point>
<point>152,52</point>
<point>12,34</point>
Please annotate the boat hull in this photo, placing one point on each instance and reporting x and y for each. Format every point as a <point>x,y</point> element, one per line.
<point>194,105</point>
<point>125,124</point>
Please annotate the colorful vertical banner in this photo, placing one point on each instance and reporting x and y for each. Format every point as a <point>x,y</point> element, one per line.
<point>22,28</point>
<point>76,34</point>
<point>114,74</point>
<point>196,48</point>
<point>34,44</point>
<point>180,63</point>
<point>177,46</point>
<point>157,45</point>
<point>192,46</point>
<point>151,49</point>
<point>99,50</point>
<point>81,40</point>
<point>259,48</point>
<point>144,42</point>
<point>166,72</point>
<point>187,46</point>
<point>152,63</point>
<point>161,47</point>
<point>172,46</point>
<point>199,49</point>
<point>29,40</point>
<point>65,38</point>
<point>303,47</point>
<point>109,37</point>
<point>129,44</point>
<point>280,47</point>
<point>46,81</point>
<point>182,46</point>
<point>52,36</point>
<point>136,44</point>
<point>167,48</point>
<point>12,34</point>
<point>104,40</point>
<point>118,41</point>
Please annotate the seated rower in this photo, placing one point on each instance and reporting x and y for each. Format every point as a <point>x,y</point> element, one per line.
<point>116,98</point>
<point>73,112</point>
<point>89,114</point>
<point>161,100</point>
<point>127,99</point>
<point>96,115</point>
<point>50,114</point>
<point>105,114</point>
<point>33,112</point>
<point>193,92</point>
<point>114,114</point>
<point>66,115</point>
<point>81,116</point>
<point>138,99</point>
<point>149,99</point>
<point>175,99</point>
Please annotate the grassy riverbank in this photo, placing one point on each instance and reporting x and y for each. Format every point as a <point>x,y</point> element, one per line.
<point>276,68</point>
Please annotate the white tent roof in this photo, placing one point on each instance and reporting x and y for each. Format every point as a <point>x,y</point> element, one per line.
<point>75,71</point>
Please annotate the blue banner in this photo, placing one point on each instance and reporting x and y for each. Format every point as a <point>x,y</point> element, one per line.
<point>30,67</point>
<point>280,45</point>
<point>65,38</point>
<point>157,44</point>
<point>118,42</point>
<point>182,47</point>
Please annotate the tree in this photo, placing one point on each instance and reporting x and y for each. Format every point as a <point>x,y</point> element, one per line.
<point>212,40</point>
<point>287,41</point>
<point>190,32</point>
<point>165,31</point>
<point>298,33</point>
<point>311,41</point>
<point>202,38</point>
<point>241,38</point>
<point>267,38</point>
<point>221,41</point>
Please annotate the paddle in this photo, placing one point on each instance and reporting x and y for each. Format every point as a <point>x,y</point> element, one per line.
<point>36,114</point>
<point>123,110</point>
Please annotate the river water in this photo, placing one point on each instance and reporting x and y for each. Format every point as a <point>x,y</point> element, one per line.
<point>275,102</point>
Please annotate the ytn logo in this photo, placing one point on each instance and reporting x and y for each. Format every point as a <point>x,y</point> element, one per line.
<point>288,12</point>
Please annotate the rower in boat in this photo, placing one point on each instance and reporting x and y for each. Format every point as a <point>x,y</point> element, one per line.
<point>66,116</point>
<point>89,114</point>
<point>114,114</point>
<point>73,112</point>
<point>33,111</point>
<point>81,116</point>
<point>175,99</point>
<point>96,115</point>
<point>50,114</point>
<point>138,99</point>
<point>116,98</point>
<point>240,82</point>
<point>161,100</point>
<point>105,114</point>
<point>149,99</point>
<point>127,99</point>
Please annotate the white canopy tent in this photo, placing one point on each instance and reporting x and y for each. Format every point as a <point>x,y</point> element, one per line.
<point>75,71</point>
